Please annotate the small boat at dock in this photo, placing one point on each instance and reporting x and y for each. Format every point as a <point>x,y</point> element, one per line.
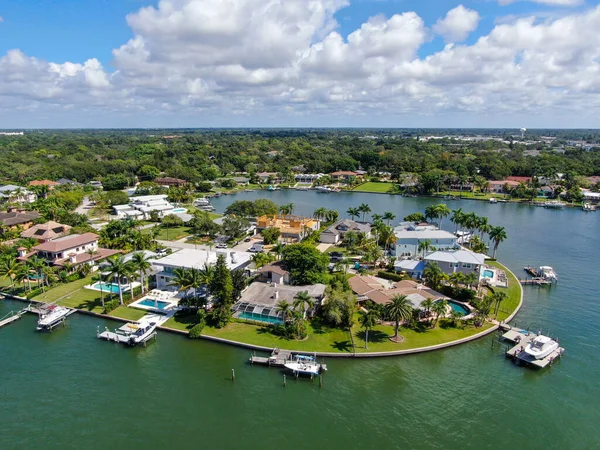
<point>304,365</point>
<point>132,334</point>
<point>543,272</point>
<point>588,207</point>
<point>51,316</point>
<point>493,200</point>
<point>554,204</point>
<point>540,347</point>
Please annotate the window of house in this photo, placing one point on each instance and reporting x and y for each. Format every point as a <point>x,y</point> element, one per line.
<point>468,266</point>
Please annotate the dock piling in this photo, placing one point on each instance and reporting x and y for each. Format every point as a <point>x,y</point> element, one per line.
<point>284,381</point>
<point>232,374</point>
<point>321,380</point>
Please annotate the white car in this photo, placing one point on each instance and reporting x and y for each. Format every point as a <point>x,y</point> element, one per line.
<point>221,245</point>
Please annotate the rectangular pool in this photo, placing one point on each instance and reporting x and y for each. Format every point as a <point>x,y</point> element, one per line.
<point>260,318</point>
<point>158,304</point>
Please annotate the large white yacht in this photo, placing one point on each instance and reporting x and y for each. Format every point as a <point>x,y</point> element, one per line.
<point>541,347</point>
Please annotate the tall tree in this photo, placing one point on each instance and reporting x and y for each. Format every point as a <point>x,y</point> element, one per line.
<point>497,235</point>
<point>367,320</point>
<point>117,268</point>
<point>399,309</point>
<point>142,265</point>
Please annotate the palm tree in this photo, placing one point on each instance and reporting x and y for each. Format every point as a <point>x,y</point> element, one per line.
<point>37,264</point>
<point>320,213</point>
<point>182,279</point>
<point>353,212</point>
<point>433,275</point>
<point>442,212</point>
<point>471,279</point>
<point>498,235</point>
<point>9,268</point>
<point>206,274</point>
<point>364,209</point>
<point>424,246</point>
<point>98,278</point>
<point>388,216</point>
<point>498,297</point>
<point>367,319</point>
<point>21,275</point>
<point>439,308</point>
<point>457,218</point>
<point>387,236</point>
<point>456,278</point>
<point>284,308</point>
<point>399,309</point>
<point>483,226</point>
<point>332,215</point>
<point>303,302</point>
<point>142,264</point>
<point>117,267</point>
<point>427,304</point>
<point>431,212</point>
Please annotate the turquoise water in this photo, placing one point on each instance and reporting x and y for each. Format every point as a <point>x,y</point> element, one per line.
<point>154,303</point>
<point>259,317</point>
<point>179,210</point>
<point>108,287</point>
<point>67,389</point>
<point>458,308</point>
<point>488,273</point>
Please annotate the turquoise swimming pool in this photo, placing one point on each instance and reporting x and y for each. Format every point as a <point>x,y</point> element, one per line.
<point>488,273</point>
<point>459,308</point>
<point>108,287</point>
<point>158,304</point>
<point>260,318</point>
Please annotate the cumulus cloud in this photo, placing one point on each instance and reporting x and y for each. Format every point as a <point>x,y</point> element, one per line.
<point>458,24</point>
<point>273,59</point>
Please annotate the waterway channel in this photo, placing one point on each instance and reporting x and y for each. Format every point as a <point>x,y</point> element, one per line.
<point>67,389</point>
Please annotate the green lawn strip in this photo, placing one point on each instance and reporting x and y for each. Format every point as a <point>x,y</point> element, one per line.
<point>182,322</point>
<point>373,186</point>
<point>324,340</point>
<point>379,337</point>
<point>170,234</point>
<point>61,291</point>
<point>513,292</point>
<point>125,312</point>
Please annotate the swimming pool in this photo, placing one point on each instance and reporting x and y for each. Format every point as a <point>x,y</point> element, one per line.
<point>260,318</point>
<point>109,287</point>
<point>179,210</point>
<point>459,308</point>
<point>488,273</point>
<point>158,304</point>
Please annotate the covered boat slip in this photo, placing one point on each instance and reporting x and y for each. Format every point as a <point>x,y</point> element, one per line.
<point>521,338</point>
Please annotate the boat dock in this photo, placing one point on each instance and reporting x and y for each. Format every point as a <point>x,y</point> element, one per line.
<point>11,317</point>
<point>278,358</point>
<point>521,338</point>
<point>535,281</point>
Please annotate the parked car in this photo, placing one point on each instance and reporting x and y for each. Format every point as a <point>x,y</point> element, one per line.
<point>221,245</point>
<point>248,239</point>
<point>256,248</point>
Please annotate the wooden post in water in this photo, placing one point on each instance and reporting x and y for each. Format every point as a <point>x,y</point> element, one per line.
<point>284,382</point>
<point>320,380</point>
<point>232,374</point>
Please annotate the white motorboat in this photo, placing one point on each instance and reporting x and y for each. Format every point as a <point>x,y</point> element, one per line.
<point>548,273</point>
<point>493,200</point>
<point>541,347</point>
<point>554,204</point>
<point>137,333</point>
<point>304,365</point>
<point>588,207</point>
<point>51,316</point>
<point>324,189</point>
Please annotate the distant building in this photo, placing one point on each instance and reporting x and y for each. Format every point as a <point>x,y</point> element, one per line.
<point>520,179</point>
<point>335,233</point>
<point>291,227</point>
<point>74,249</point>
<point>16,194</point>
<point>170,182</point>
<point>274,273</point>
<point>369,288</point>
<point>46,231</point>
<point>307,177</point>
<point>66,181</point>
<point>143,205</point>
<point>48,183</point>
<point>264,177</point>
<point>503,186</point>
<point>344,175</point>
<point>15,218</point>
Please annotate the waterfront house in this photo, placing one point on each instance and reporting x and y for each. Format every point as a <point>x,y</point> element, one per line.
<point>590,196</point>
<point>307,178</point>
<point>334,234</point>
<point>381,292</point>
<point>188,258</point>
<point>75,249</point>
<point>14,218</point>
<point>464,261</point>
<point>142,206</point>
<point>412,267</point>
<point>274,273</point>
<point>291,227</point>
<point>410,235</point>
<point>344,175</point>
<point>546,192</point>
<point>67,182</point>
<point>170,182</point>
<point>46,231</point>
<point>268,177</point>
<point>502,186</point>
<point>523,180</point>
<point>259,300</point>
<point>16,194</point>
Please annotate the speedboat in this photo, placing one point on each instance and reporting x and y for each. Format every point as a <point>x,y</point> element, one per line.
<point>137,333</point>
<point>304,365</point>
<point>493,200</point>
<point>548,273</point>
<point>588,207</point>
<point>541,347</point>
<point>554,204</point>
<point>324,189</point>
<point>52,316</point>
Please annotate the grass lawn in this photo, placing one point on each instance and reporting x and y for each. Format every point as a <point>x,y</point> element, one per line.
<point>170,234</point>
<point>65,290</point>
<point>373,186</point>
<point>513,292</point>
<point>379,337</point>
<point>182,322</point>
<point>125,312</point>
<point>320,339</point>
<point>333,248</point>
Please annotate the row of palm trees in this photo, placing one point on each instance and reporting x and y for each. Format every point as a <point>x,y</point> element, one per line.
<point>473,222</point>
<point>294,315</point>
<point>364,209</point>
<point>327,215</point>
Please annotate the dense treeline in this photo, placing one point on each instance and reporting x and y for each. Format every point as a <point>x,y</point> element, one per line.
<point>197,155</point>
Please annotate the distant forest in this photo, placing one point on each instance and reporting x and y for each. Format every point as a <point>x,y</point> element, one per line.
<point>208,154</point>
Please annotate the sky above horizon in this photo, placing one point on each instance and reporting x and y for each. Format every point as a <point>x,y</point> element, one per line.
<point>299,63</point>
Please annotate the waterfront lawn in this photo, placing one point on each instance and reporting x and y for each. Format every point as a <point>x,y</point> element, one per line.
<point>374,187</point>
<point>182,322</point>
<point>320,339</point>
<point>170,234</point>
<point>379,336</point>
<point>127,313</point>
<point>63,290</point>
<point>513,292</point>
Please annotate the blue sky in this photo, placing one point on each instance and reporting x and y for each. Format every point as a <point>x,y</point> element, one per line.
<point>60,36</point>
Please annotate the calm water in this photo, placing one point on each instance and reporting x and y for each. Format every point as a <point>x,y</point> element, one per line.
<point>70,390</point>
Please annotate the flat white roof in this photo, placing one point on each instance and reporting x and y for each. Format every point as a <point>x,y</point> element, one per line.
<point>191,258</point>
<point>424,234</point>
<point>148,198</point>
<point>457,256</point>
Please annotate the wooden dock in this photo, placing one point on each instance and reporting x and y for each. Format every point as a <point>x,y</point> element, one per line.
<point>535,282</point>
<point>278,358</point>
<point>521,338</point>
<point>11,317</point>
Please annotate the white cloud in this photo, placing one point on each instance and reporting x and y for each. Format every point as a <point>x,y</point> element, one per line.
<point>458,24</point>
<point>273,60</point>
<point>546,2</point>
<point>1,19</point>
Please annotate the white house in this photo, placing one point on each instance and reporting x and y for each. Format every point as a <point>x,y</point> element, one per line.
<point>16,194</point>
<point>410,235</point>
<point>143,205</point>
<point>464,261</point>
<point>195,259</point>
<point>335,233</point>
